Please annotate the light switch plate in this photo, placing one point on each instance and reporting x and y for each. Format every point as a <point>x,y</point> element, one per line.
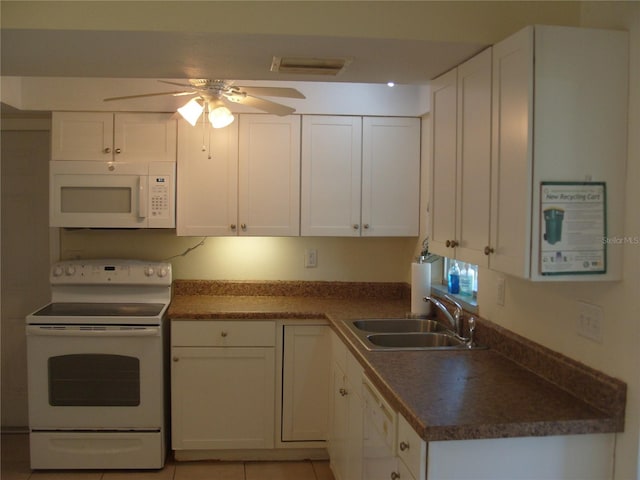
<point>590,321</point>
<point>310,258</point>
<point>500,288</point>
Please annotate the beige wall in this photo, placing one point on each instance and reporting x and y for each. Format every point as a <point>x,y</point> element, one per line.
<point>252,258</point>
<point>547,313</point>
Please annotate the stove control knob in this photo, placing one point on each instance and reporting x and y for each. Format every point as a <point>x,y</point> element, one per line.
<point>58,271</point>
<point>162,272</point>
<point>70,270</point>
<point>149,271</point>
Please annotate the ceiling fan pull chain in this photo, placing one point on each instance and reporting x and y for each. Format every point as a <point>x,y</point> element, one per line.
<point>209,157</point>
<point>204,127</point>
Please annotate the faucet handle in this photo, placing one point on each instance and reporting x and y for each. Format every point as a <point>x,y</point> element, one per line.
<point>472,328</point>
<point>459,308</point>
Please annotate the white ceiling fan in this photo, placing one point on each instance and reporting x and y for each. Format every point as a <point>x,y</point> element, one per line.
<point>211,94</point>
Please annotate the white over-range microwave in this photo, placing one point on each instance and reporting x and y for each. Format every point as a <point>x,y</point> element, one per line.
<point>112,194</point>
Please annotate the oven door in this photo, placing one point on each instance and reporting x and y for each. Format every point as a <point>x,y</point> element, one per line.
<point>95,377</point>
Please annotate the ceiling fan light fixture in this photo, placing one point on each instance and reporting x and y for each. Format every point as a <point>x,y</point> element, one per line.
<point>191,111</point>
<point>220,117</point>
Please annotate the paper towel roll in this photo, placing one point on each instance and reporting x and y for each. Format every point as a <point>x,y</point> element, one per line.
<point>420,286</point>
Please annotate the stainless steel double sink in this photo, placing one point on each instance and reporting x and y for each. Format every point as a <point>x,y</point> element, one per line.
<point>405,334</point>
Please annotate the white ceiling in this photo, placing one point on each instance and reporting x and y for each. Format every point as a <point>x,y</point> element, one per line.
<point>148,54</point>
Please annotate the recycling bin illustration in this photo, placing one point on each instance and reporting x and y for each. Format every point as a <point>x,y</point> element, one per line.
<point>553,225</point>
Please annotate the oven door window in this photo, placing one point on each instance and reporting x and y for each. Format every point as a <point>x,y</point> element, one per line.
<point>89,380</point>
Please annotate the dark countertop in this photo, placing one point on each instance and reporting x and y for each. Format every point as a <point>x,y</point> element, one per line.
<point>514,388</point>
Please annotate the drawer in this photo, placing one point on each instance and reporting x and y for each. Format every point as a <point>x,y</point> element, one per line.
<point>411,449</point>
<point>223,333</point>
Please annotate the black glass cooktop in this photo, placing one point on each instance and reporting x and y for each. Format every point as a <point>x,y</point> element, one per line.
<point>101,310</point>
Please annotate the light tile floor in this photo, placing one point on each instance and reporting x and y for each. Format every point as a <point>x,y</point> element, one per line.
<point>14,465</point>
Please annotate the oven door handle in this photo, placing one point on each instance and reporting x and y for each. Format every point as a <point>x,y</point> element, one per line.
<point>71,331</point>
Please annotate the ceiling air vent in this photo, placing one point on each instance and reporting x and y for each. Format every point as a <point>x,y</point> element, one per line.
<point>309,66</point>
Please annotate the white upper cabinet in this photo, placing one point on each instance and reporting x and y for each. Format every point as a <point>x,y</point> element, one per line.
<point>243,179</point>
<point>207,187</point>
<point>390,176</point>
<point>269,175</point>
<point>442,225</point>
<point>461,165</point>
<point>561,119</point>
<point>121,137</point>
<point>331,175</point>
<point>360,176</point>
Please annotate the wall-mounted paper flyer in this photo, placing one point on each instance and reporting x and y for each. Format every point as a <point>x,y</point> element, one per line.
<point>573,228</point>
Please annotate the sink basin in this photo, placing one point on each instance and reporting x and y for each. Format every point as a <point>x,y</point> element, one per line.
<point>389,334</point>
<point>398,325</point>
<point>407,341</point>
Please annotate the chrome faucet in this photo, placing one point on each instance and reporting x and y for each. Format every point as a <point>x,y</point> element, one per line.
<point>454,320</point>
<point>453,324</point>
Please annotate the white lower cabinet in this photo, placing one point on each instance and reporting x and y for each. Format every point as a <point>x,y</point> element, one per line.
<point>222,384</point>
<point>345,432</point>
<point>583,457</point>
<point>305,383</point>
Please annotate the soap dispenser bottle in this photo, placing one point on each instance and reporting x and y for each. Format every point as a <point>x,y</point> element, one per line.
<point>454,278</point>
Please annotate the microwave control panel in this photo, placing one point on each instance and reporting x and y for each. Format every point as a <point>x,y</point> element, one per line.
<point>160,196</point>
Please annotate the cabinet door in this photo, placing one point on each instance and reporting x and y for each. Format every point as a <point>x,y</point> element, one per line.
<point>207,191</point>
<point>82,136</point>
<point>442,209</point>
<point>222,398</point>
<point>390,176</point>
<point>511,155</point>
<point>331,175</point>
<point>473,184</point>
<point>269,175</point>
<point>144,137</point>
<point>305,383</point>
<point>339,426</point>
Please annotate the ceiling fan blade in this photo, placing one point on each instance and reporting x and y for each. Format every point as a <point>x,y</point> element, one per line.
<point>264,105</point>
<point>176,83</point>
<point>272,91</point>
<point>127,97</point>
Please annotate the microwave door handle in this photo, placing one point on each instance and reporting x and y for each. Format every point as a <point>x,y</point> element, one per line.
<point>142,196</point>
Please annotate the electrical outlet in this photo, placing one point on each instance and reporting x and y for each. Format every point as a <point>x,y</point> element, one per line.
<point>590,319</point>
<point>310,258</point>
<point>500,288</point>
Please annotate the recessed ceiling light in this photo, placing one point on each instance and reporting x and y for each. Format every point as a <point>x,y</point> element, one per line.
<point>310,65</point>
<point>391,84</point>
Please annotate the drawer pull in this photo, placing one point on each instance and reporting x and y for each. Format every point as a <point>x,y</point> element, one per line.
<point>404,446</point>
<point>343,391</point>
<point>395,475</point>
<point>176,359</point>
<point>224,333</point>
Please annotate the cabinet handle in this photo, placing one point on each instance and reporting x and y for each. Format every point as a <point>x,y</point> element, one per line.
<point>107,150</point>
<point>243,226</point>
<point>176,359</point>
<point>356,226</point>
<point>454,244</point>
<point>447,243</point>
<point>343,391</point>
<point>233,226</point>
<point>404,446</point>
<point>488,250</point>
<point>118,150</point>
<point>223,334</point>
<point>395,475</point>
<point>366,226</point>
